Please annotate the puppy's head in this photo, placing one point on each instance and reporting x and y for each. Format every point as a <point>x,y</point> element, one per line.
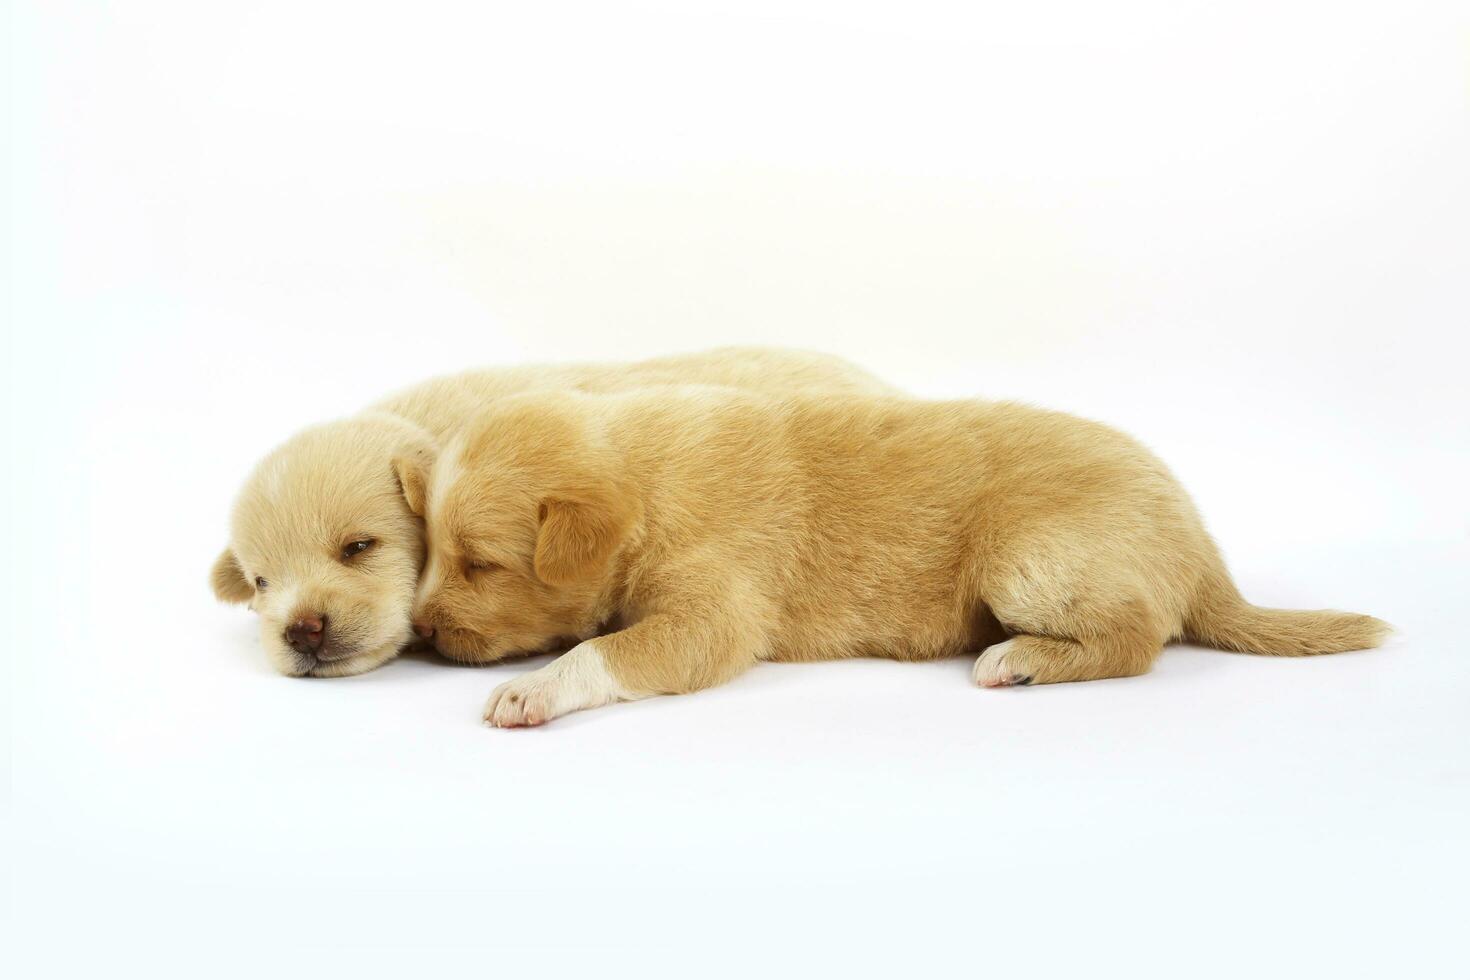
<point>527,514</point>
<point>327,542</point>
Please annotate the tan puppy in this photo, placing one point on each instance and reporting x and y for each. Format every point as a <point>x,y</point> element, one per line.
<point>322,544</point>
<point>684,534</point>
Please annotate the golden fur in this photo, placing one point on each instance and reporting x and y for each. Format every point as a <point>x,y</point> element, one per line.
<point>683,534</point>
<point>339,483</point>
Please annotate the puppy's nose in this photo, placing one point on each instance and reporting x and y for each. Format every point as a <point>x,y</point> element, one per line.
<point>423,629</point>
<point>306,634</point>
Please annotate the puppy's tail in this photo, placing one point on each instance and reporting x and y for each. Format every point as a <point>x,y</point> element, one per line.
<point>1220,618</point>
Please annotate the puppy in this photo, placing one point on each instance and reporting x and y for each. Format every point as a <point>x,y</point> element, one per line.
<point>323,545</point>
<point>678,536</point>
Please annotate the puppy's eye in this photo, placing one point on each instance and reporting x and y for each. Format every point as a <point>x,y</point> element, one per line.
<point>260,583</point>
<point>481,567</point>
<point>351,551</point>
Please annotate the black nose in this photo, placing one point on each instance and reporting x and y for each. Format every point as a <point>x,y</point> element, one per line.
<point>306,634</point>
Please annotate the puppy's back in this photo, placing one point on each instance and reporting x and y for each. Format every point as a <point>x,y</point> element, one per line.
<point>442,405</point>
<point>873,517</point>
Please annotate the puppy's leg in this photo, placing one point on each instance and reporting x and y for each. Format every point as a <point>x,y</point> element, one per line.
<point>660,654</point>
<point>1027,659</point>
<point>1078,642</point>
<point>577,679</point>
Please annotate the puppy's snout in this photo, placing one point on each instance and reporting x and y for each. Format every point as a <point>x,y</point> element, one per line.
<point>307,633</point>
<point>423,628</point>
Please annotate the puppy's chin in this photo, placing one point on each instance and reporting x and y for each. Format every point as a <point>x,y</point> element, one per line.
<point>471,648</point>
<point>294,664</point>
<point>358,663</point>
<point>465,647</point>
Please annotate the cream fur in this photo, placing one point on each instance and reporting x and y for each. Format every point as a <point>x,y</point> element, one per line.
<point>363,479</point>
<point>695,531</point>
<point>576,680</point>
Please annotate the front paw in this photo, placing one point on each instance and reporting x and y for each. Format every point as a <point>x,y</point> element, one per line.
<point>577,679</point>
<point>521,703</point>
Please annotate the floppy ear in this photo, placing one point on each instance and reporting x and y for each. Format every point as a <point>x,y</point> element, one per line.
<point>412,469</point>
<point>578,537</point>
<point>228,579</point>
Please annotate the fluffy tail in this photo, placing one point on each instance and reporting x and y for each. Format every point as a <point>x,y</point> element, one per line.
<point>1220,618</point>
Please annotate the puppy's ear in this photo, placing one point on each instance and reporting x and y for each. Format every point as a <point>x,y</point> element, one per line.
<point>580,534</point>
<point>228,579</point>
<point>411,466</point>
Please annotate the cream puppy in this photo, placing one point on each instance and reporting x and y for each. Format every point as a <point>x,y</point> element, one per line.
<point>322,544</point>
<point>678,536</point>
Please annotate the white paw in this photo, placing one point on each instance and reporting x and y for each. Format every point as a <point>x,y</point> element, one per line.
<point>994,669</point>
<point>521,703</point>
<point>577,679</point>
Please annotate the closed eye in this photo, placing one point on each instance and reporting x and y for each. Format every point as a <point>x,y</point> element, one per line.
<point>481,567</point>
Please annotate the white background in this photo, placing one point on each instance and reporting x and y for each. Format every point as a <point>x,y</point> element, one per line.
<point>1238,231</point>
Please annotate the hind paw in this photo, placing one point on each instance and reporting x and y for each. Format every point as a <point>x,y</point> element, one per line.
<point>998,666</point>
